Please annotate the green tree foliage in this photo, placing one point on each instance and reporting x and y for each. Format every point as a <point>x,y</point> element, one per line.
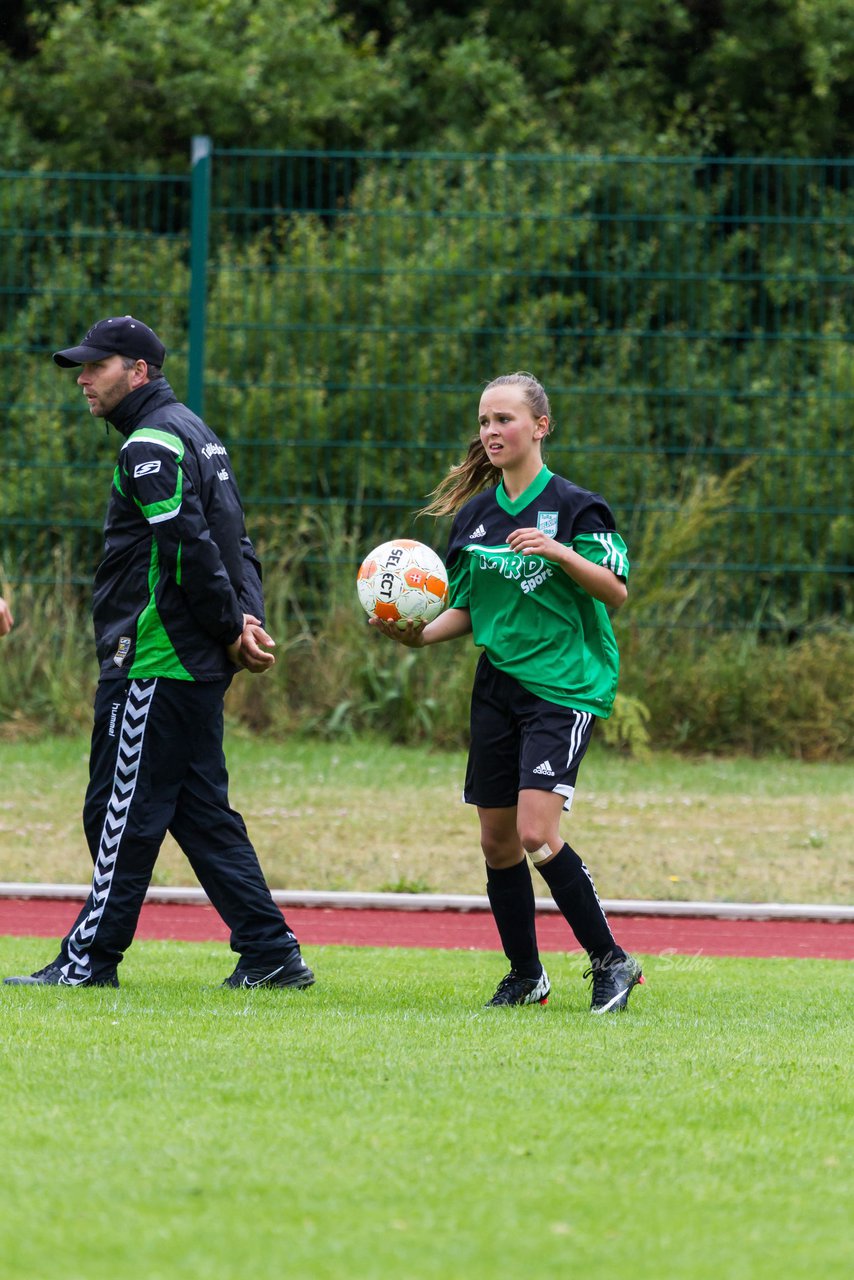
<point>761,77</point>
<point>114,85</point>
<point>119,84</point>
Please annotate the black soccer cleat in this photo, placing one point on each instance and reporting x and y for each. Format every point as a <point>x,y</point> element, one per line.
<point>613,982</point>
<point>514,989</point>
<point>52,976</point>
<point>293,972</point>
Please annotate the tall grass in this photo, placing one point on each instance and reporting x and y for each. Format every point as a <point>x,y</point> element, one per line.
<point>47,663</point>
<point>695,690</point>
<point>736,693</point>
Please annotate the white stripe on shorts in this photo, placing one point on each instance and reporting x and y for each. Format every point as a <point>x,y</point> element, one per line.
<point>580,725</point>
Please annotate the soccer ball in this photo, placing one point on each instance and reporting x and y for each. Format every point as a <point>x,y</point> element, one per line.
<point>403,581</point>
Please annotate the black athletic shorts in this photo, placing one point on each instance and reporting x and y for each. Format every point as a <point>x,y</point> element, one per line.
<point>520,741</point>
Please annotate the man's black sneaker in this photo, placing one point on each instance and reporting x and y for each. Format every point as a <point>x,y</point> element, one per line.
<point>293,972</point>
<point>613,982</point>
<point>514,989</point>
<point>52,976</point>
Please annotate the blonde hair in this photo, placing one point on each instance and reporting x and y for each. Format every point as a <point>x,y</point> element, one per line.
<point>476,472</point>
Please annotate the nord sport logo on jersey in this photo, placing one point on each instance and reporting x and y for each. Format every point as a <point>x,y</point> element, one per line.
<point>145,469</point>
<point>529,571</point>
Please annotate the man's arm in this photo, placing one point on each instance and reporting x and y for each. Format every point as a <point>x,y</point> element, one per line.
<point>163,488</point>
<point>251,593</point>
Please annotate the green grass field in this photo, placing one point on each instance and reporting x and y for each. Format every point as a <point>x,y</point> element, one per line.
<point>383,1124</point>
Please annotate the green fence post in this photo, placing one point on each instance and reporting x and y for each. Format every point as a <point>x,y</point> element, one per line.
<point>202,151</point>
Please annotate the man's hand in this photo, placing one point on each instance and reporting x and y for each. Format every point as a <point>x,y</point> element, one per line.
<point>246,651</point>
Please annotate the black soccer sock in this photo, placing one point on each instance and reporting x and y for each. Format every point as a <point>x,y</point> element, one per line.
<point>572,888</point>
<point>511,896</point>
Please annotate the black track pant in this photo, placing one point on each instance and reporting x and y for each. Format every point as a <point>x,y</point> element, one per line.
<point>157,765</point>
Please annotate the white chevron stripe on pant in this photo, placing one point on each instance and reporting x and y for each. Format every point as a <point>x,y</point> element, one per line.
<point>131,738</point>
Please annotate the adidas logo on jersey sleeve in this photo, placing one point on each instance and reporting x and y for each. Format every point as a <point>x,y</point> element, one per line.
<point>479,532</point>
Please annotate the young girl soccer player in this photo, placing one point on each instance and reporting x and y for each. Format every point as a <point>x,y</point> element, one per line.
<point>534,563</point>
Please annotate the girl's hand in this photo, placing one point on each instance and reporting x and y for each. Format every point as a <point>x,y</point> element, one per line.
<point>533,542</point>
<point>409,634</point>
<point>597,580</point>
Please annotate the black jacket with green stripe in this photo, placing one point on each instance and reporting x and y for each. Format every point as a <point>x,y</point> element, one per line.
<point>178,571</point>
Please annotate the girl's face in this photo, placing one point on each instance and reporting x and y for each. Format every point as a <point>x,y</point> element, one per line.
<point>509,432</point>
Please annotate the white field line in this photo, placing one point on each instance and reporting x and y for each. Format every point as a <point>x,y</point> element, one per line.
<point>465,902</point>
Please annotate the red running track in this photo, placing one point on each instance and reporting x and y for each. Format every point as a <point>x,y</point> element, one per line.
<point>319,926</point>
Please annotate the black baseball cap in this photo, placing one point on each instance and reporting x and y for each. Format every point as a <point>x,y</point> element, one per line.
<point>118,336</point>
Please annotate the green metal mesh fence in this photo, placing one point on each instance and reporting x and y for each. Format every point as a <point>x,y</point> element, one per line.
<point>689,318</point>
<point>73,247</point>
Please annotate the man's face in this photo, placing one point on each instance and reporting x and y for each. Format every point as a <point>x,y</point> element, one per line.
<point>105,384</point>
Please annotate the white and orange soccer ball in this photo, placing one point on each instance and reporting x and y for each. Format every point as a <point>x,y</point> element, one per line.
<point>403,581</point>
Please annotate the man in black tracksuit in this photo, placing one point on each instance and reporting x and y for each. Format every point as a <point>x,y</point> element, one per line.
<point>177,607</point>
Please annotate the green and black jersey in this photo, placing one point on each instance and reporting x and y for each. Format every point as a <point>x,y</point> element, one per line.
<point>178,571</point>
<point>532,620</point>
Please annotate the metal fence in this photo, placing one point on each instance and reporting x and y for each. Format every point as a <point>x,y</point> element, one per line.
<point>334,315</point>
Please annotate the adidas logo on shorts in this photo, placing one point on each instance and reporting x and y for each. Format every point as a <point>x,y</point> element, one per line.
<point>545,769</point>
<point>479,532</point>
